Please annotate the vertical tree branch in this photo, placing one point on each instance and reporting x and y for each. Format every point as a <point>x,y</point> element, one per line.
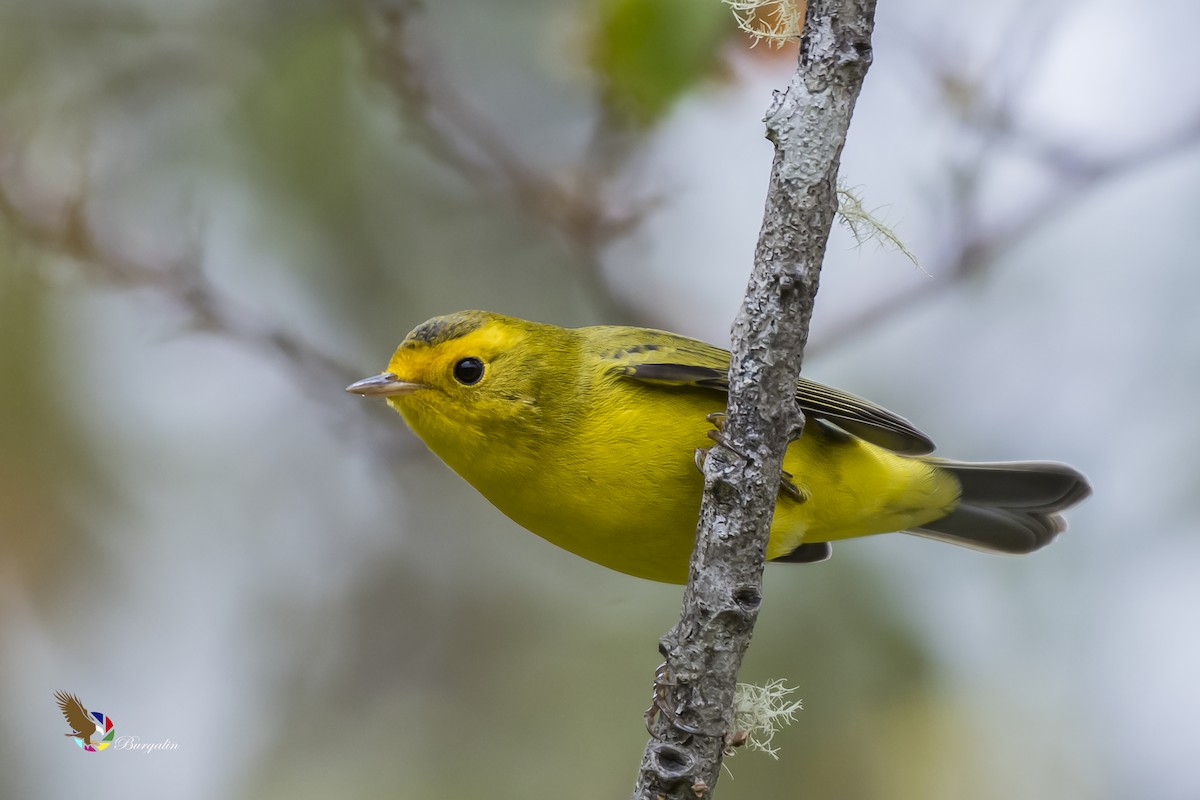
<point>808,124</point>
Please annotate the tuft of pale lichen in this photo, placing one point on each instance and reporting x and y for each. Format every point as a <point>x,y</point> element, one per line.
<point>865,226</point>
<point>772,21</point>
<point>759,712</point>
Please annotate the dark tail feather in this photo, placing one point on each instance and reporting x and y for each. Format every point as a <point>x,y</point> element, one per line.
<point>1008,507</point>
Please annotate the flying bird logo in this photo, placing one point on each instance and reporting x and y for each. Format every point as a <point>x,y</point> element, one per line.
<point>85,724</point>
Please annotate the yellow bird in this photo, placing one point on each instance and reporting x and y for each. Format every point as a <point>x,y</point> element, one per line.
<point>587,437</point>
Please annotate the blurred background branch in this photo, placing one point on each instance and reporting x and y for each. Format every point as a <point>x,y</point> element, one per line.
<point>181,280</point>
<point>981,240</point>
<point>986,103</point>
<point>580,209</point>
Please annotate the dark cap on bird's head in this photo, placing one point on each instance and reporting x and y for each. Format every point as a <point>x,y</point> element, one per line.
<point>444,329</point>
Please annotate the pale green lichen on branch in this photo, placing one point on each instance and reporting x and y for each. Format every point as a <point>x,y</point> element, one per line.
<point>759,712</point>
<point>865,226</point>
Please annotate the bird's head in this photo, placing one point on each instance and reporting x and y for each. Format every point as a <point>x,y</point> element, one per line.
<point>462,378</point>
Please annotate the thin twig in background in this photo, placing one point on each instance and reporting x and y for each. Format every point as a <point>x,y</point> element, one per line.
<point>581,211</point>
<point>977,243</point>
<point>976,253</point>
<point>182,282</point>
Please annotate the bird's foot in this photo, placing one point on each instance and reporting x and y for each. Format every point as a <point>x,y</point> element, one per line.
<point>791,489</point>
<point>717,434</point>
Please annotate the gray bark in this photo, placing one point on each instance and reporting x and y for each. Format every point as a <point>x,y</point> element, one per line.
<point>808,124</point>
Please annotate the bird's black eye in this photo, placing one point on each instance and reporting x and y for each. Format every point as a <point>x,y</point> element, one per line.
<point>468,371</point>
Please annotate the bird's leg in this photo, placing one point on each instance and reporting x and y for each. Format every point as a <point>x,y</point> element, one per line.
<point>717,434</point>
<point>659,705</point>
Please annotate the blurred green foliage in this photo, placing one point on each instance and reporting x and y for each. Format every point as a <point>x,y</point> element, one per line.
<point>650,53</point>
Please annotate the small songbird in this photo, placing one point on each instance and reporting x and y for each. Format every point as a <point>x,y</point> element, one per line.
<point>77,717</point>
<point>590,438</point>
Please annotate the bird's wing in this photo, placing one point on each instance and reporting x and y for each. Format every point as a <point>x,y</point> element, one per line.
<point>666,359</point>
<point>77,716</point>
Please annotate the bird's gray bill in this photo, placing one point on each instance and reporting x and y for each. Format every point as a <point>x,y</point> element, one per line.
<point>384,385</point>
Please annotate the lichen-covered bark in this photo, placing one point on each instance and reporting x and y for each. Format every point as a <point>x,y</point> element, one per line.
<point>808,124</point>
